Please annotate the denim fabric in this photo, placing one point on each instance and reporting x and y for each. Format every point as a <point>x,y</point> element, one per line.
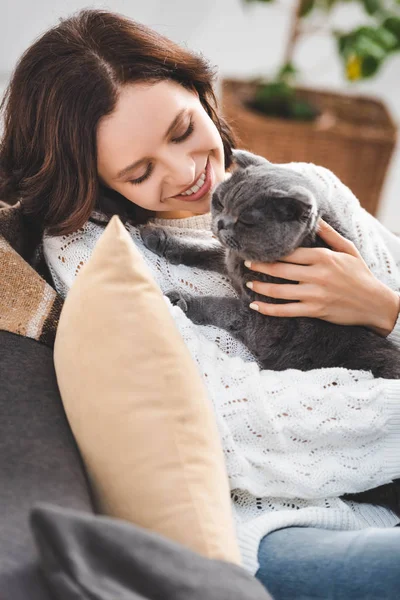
<point>304,563</point>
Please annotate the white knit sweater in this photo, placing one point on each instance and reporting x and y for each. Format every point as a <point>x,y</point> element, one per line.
<point>293,441</point>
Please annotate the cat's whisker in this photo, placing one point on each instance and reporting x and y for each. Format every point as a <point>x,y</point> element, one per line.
<point>231,243</point>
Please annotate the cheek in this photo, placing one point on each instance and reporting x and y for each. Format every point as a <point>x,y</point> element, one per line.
<point>142,195</point>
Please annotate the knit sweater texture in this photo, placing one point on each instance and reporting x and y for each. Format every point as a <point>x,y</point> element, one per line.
<point>293,441</point>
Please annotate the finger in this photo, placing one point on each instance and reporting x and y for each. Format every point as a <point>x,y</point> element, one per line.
<point>335,240</point>
<point>278,290</point>
<point>291,309</point>
<point>282,270</point>
<point>301,256</point>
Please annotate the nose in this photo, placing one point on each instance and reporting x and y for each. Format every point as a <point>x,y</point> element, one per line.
<point>180,171</point>
<point>225,222</point>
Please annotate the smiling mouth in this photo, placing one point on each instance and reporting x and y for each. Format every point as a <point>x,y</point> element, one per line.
<point>195,188</point>
<point>200,188</point>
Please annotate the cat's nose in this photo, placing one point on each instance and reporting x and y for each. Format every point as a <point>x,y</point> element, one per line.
<point>225,222</point>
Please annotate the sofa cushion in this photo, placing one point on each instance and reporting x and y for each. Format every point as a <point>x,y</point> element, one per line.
<point>88,557</point>
<point>39,461</point>
<point>137,404</point>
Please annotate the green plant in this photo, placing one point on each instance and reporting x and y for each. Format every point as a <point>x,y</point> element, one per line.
<point>362,51</point>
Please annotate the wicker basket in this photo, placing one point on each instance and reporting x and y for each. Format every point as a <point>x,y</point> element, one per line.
<point>354,136</point>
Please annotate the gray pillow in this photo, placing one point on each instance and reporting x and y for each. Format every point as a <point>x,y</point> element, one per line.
<point>39,460</point>
<point>86,557</point>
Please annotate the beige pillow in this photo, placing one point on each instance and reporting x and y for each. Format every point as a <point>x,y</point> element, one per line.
<point>137,405</point>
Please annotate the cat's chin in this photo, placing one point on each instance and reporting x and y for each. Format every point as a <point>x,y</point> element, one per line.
<point>305,231</point>
<point>269,256</point>
<point>229,242</point>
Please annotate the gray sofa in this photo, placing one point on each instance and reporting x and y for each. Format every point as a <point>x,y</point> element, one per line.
<point>39,461</point>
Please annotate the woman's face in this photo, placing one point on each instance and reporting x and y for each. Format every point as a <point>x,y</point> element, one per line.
<point>158,143</point>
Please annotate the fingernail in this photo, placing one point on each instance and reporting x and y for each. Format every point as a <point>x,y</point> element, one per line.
<point>254,306</point>
<point>250,284</point>
<point>247,263</point>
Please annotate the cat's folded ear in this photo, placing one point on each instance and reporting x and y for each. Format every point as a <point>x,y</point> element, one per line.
<point>244,159</point>
<point>303,194</point>
<point>296,192</point>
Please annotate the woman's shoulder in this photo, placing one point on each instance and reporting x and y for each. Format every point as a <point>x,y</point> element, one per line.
<point>66,254</point>
<point>87,234</point>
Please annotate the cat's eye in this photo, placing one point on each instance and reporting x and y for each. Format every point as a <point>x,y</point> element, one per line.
<point>247,219</point>
<point>291,213</point>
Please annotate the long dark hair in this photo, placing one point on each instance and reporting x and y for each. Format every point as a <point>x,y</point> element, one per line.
<point>62,86</point>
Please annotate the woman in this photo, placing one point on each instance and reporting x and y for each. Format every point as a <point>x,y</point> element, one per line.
<point>105,116</point>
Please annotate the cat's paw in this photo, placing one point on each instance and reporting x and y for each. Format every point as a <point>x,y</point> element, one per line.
<point>154,238</point>
<point>162,243</point>
<point>178,299</point>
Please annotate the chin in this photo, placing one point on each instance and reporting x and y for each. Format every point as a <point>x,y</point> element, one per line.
<point>200,207</point>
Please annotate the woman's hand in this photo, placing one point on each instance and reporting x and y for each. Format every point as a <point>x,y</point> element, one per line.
<point>334,285</point>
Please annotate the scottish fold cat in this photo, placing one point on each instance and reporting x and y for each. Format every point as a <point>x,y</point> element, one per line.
<point>262,213</point>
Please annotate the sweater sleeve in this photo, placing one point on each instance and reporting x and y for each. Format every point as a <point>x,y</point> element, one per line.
<point>394,335</point>
<point>379,247</point>
<point>392,242</point>
<point>294,434</point>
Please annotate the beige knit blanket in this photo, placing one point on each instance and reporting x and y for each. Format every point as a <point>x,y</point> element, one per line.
<point>29,306</point>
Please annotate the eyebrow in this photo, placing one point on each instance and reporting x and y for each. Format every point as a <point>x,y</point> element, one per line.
<point>135,164</point>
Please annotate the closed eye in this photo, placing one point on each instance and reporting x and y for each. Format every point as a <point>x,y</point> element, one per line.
<point>143,177</point>
<point>176,140</point>
<point>248,221</point>
<point>217,204</point>
<point>185,135</point>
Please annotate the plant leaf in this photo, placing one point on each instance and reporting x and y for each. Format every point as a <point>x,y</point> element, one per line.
<point>366,45</point>
<point>274,90</point>
<point>361,67</point>
<point>370,66</point>
<point>367,41</point>
<point>306,7</point>
<point>302,110</point>
<point>392,24</point>
<point>328,4</point>
<point>252,1</point>
<point>372,6</point>
<point>287,73</point>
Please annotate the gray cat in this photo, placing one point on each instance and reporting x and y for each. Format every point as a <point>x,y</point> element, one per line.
<point>262,213</point>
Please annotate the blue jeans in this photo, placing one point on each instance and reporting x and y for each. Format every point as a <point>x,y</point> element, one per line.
<point>304,563</point>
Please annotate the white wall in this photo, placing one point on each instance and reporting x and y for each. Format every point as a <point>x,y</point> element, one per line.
<point>241,40</point>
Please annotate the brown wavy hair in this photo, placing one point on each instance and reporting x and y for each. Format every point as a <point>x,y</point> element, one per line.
<point>62,86</point>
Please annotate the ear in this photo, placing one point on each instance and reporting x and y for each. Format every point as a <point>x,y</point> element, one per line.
<point>302,194</point>
<point>297,192</point>
<point>246,159</point>
<point>289,209</point>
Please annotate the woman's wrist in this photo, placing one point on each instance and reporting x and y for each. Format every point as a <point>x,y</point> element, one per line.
<point>387,313</point>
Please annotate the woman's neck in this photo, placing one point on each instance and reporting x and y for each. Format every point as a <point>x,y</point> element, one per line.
<point>202,222</point>
<point>177,214</point>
